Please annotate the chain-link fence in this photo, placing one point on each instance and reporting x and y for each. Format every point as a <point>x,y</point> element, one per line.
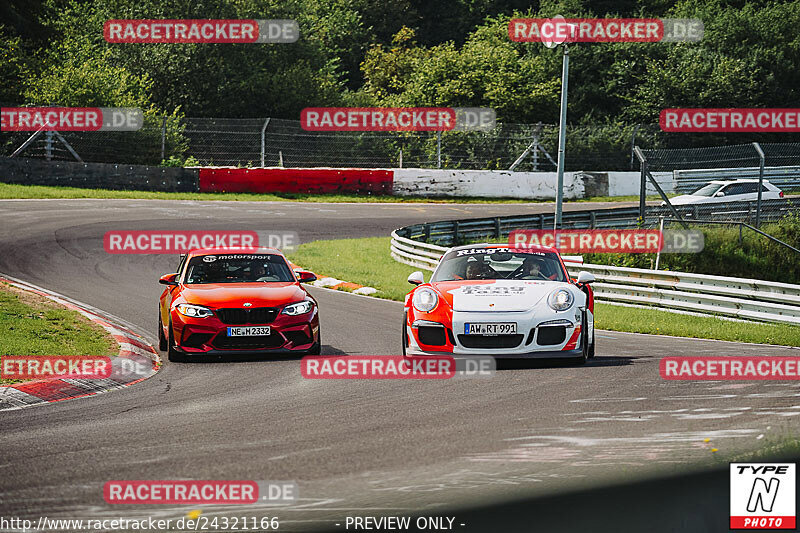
<point>727,188</point>
<point>160,138</point>
<point>280,142</point>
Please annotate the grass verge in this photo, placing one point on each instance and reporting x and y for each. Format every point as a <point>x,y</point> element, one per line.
<point>9,191</point>
<point>34,325</point>
<point>367,262</point>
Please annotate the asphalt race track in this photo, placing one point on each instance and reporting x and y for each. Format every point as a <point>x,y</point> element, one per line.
<point>355,448</point>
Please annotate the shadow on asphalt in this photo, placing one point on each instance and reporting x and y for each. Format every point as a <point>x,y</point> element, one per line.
<point>518,364</point>
<point>250,358</point>
<point>686,503</point>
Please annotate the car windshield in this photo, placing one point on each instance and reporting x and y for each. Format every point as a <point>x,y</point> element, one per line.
<point>238,268</point>
<point>499,263</point>
<point>708,190</point>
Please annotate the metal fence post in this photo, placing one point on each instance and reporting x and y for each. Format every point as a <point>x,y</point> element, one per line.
<point>633,143</point>
<point>642,184</point>
<point>760,182</point>
<point>163,137</point>
<point>48,145</point>
<point>263,142</point>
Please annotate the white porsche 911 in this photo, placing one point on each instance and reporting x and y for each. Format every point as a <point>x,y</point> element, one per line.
<point>489,299</point>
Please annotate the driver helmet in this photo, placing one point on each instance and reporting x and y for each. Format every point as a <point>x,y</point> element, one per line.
<point>531,263</point>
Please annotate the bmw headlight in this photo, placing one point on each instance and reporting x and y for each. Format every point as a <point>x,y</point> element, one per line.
<point>195,311</point>
<point>425,299</point>
<point>300,308</point>
<point>560,300</point>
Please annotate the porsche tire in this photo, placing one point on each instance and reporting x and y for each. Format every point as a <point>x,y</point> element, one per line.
<point>405,333</point>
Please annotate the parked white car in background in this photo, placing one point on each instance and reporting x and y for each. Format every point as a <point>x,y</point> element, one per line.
<point>743,190</point>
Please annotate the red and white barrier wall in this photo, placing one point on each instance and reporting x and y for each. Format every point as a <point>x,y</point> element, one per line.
<point>295,180</point>
<point>423,182</point>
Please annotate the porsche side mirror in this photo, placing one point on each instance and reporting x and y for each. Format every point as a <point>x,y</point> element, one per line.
<point>585,277</point>
<point>719,194</point>
<point>168,279</point>
<point>416,278</point>
<point>304,276</point>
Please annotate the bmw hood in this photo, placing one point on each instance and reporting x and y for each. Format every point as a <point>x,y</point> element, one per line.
<point>217,295</point>
<point>502,295</point>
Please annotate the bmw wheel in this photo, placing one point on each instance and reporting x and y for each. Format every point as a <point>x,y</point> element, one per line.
<point>172,353</point>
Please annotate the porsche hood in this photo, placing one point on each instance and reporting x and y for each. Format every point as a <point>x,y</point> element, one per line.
<point>499,295</point>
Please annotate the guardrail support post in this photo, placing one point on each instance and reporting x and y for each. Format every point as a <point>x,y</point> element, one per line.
<point>496,228</point>
<point>592,219</point>
<point>427,230</point>
<point>760,182</point>
<point>455,233</point>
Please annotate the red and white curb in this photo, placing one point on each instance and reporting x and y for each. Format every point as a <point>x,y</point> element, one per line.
<point>136,361</point>
<point>327,282</point>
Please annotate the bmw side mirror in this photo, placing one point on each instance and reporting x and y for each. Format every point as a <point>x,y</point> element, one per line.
<point>416,278</point>
<point>304,276</point>
<point>169,279</point>
<point>585,278</point>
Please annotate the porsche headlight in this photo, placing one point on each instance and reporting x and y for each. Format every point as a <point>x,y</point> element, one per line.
<point>300,308</point>
<point>195,311</point>
<point>425,299</point>
<point>560,300</point>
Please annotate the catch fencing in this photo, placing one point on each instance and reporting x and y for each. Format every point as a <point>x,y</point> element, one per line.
<point>693,168</point>
<point>254,142</point>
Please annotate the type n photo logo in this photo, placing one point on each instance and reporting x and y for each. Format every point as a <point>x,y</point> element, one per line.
<point>763,496</point>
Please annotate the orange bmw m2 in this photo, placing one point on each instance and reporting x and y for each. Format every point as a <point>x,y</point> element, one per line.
<point>223,301</point>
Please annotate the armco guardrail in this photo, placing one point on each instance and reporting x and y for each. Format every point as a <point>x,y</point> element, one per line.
<point>745,299</point>
<point>448,232</point>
